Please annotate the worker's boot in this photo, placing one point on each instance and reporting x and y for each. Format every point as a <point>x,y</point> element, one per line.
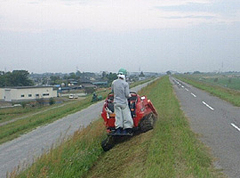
<point>118,131</point>
<point>129,131</point>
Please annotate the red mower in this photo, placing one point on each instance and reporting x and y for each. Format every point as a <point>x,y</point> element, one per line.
<point>143,113</point>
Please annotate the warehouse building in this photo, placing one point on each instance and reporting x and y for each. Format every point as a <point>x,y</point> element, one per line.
<point>27,93</point>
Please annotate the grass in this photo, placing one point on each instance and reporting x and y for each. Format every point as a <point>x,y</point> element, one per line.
<point>11,113</point>
<point>14,129</point>
<point>226,80</point>
<point>72,158</point>
<point>34,117</point>
<point>18,127</point>
<point>170,150</point>
<point>224,93</point>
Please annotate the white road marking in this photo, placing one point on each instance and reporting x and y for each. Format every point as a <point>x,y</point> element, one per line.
<point>186,89</point>
<point>193,95</point>
<point>236,127</point>
<point>207,105</point>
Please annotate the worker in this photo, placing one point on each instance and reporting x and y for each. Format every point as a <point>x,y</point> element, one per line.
<point>123,118</point>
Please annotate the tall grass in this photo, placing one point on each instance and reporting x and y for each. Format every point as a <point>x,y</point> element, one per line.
<point>171,149</point>
<point>14,129</point>
<point>73,158</point>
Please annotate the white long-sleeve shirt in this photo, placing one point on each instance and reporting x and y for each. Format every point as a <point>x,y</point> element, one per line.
<point>120,89</point>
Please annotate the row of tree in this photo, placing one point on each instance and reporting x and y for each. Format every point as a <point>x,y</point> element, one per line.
<point>15,78</point>
<point>21,78</point>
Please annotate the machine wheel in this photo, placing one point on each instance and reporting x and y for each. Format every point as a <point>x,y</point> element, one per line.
<point>108,143</point>
<point>147,123</point>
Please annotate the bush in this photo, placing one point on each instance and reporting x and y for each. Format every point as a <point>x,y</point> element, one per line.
<point>51,101</point>
<point>89,90</point>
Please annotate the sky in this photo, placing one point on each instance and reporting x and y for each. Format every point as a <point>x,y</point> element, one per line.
<point>105,35</point>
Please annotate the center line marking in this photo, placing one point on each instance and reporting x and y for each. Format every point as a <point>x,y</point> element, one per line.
<point>236,127</point>
<point>186,89</point>
<point>193,95</point>
<point>207,105</point>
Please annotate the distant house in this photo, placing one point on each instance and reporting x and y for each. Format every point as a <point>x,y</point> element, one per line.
<point>100,83</point>
<point>27,93</point>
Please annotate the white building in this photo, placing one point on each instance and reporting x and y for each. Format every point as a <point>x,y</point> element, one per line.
<point>26,93</point>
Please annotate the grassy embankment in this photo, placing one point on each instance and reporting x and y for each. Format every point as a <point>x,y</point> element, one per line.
<point>170,150</point>
<point>224,93</point>
<point>34,117</point>
<point>225,80</point>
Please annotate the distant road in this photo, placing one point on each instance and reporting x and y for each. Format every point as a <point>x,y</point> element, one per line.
<point>24,149</point>
<point>216,121</point>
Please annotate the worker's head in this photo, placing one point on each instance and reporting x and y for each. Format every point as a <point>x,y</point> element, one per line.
<point>122,73</point>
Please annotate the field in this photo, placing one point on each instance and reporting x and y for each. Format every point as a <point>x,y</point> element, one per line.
<point>227,80</point>
<point>216,85</point>
<point>171,149</point>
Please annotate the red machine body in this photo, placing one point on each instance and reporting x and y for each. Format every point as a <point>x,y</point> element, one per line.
<point>140,108</point>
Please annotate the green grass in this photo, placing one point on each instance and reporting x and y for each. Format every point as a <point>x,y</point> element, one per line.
<point>180,153</point>
<point>14,129</point>
<point>224,93</point>
<point>226,80</point>
<point>73,158</point>
<point>170,150</point>
<point>7,114</point>
<point>34,117</point>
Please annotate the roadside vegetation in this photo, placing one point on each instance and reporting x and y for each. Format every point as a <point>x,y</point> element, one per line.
<point>227,80</point>
<point>218,88</point>
<point>34,117</point>
<point>171,149</point>
<point>28,118</point>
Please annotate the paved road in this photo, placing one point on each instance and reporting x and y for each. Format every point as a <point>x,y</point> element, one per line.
<point>216,121</point>
<point>24,149</point>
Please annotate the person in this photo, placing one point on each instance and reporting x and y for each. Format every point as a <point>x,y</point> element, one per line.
<point>123,118</point>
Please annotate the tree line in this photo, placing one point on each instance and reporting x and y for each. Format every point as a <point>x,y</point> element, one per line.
<point>21,78</point>
<point>15,78</point>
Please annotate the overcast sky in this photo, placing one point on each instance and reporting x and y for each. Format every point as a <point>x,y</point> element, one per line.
<point>105,35</point>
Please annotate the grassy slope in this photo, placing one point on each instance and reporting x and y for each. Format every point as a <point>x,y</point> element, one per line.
<point>226,94</point>
<point>15,129</point>
<point>35,117</point>
<point>170,150</point>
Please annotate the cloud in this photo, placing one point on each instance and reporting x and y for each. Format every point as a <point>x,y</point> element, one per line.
<point>230,7</point>
<point>188,7</point>
<point>190,17</point>
<point>113,16</point>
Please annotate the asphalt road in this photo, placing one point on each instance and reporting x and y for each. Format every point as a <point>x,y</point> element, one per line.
<point>217,123</point>
<point>23,150</point>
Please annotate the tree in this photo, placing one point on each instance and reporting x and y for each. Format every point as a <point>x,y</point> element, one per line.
<point>104,74</point>
<point>141,75</point>
<point>89,90</point>
<point>196,72</point>
<point>169,73</point>
<point>15,78</point>
<point>54,80</point>
<point>111,76</point>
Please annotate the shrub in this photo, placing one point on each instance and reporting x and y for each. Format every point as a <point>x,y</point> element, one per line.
<point>51,101</point>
